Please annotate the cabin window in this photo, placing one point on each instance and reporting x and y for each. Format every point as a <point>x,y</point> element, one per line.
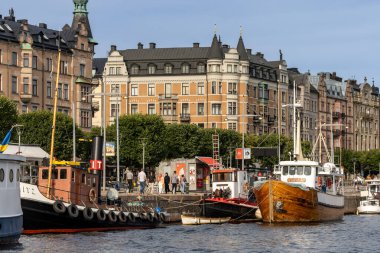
<point>11,176</point>
<point>299,170</point>
<point>1,175</point>
<point>292,170</point>
<point>54,174</point>
<point>63,174</point>
<point>72,176</point>
<point>45,174</point>
<point>307,170</point>
<point>223,177</point>
<point>285,170</point>
<point>83,178</point>
<point>18,175</point>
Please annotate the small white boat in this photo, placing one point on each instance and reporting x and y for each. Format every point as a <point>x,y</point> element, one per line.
<point>199,220</point>
<point>371,203</point>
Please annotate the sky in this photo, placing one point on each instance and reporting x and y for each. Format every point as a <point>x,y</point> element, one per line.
<point>341,36</point>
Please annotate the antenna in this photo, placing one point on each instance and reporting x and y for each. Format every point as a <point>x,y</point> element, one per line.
<point>241,31</point>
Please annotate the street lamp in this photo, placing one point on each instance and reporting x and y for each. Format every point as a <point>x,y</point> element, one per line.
<point>18,128</point>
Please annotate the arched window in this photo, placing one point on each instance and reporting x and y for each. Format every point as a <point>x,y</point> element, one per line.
<point>185,68</point>
<point>151,69</point>
<point>168,69</point>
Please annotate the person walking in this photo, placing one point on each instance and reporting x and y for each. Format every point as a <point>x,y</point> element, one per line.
<point>142,178</point>
<point>167,182</point>
<point>174,183</point>
<point>182,184</point>
<point>160,181</point>
<point>129,177</point>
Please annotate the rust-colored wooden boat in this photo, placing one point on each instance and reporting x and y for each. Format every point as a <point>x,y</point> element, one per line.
<point>285,202</point>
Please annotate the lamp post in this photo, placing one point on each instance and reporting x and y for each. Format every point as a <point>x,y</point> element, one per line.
<point>18,129</point>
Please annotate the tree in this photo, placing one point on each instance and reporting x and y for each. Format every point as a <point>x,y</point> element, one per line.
<point>37,130</point>
<point>8,115</point>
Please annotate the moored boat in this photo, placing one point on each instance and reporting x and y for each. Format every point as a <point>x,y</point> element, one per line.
<point>201,220</point>
<point>232,196</point>
<point>10,206</point>
<point>371,202</point>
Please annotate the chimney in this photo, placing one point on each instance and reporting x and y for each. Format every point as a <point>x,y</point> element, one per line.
<point>196,45</point>
<point>140,46</point>
<point>113,48</point>
<point>249,51</point>
<point>152,45</point>
<point>226,46</point>
<point>42,25</point>
<point>259,54</point>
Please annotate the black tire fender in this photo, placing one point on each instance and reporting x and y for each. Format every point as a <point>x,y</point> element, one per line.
<point>122,217</point>
<point>73,211</point>
<point>112,216</point>
<point>88,214</point>
<point>131,217</point>
<point>101,215</point>
<point>59,207</point>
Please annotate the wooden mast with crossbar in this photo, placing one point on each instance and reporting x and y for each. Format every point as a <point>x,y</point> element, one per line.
<point>54,122</point>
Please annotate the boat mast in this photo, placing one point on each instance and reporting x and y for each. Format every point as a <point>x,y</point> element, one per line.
<point>54,121</point>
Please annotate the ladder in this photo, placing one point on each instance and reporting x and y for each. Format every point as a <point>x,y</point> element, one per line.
<point>215,150</point>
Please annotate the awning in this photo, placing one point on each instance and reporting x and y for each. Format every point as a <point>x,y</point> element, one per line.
<point>209,161</point>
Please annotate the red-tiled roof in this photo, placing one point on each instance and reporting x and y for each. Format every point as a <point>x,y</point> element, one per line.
<point>209,161</point>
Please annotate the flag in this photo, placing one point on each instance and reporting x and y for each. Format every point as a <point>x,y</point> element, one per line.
<point>4,143</point>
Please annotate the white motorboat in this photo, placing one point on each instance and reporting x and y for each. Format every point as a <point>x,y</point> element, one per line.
<point>10,205</point>
<point>371,202</point>
<point>199,220</point>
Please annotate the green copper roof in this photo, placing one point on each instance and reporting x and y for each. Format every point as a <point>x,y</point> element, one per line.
<point>26,46</point>
<point>80,6</point>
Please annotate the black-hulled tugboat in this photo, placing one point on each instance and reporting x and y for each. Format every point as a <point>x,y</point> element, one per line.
<point>10,208</point>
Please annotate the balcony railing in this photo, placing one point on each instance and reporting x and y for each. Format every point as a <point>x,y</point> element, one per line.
<point>25,97</point>
<point>168,96</point>
<point>184,117</point>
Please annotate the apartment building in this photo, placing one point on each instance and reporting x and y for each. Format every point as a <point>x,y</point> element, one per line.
<point>29,64</point>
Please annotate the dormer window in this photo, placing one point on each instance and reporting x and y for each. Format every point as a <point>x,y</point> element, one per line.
<point>201,68</point>
<point>45,37</point>
<point>135,70</point>
<point>168,69</point>
<point>8,27</point>
<point>151,69</point>
<point>185,68</point>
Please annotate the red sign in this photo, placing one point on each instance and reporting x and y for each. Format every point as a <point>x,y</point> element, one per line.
<point>96,164</point>
<point>238,153</point>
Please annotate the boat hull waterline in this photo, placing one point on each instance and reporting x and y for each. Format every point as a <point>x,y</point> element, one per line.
<point>282,202</point>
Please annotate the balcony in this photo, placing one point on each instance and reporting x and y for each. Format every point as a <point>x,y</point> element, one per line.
<point>184,117</point>
<point>169,118</point>
<point>336,115</point>
<point>168,97</point>
<point>25,97</point>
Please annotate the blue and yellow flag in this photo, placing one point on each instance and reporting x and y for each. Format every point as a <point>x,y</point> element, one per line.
<point>4,143</point>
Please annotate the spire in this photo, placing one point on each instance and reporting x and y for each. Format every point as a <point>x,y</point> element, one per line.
<point>215,50</point>
<point>81,16</point>
<point>241,49</point>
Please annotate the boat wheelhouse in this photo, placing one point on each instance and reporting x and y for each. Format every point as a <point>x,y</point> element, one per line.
<point>370,203</point>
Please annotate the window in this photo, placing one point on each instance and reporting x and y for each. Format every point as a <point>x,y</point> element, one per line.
<point>11,176</point>
<point>213,87</point>
<point>25,82</point>
<point>185,89</point>
<point>63,174</point>
<point>168,109</point>
<point>60,91</point>
<point>135,70</point>
<point>34,108</point>
<point>201,109</point>
<point>201,88</point>
<point>34,62</point>
<point>134,109</point>
<point>151,109</point>
<point>201,68</point>
<point>215,68</point>
<point>114,109</point>
<point>168,69</point>
<point>25,58</point>
<point>231,108</point>
<point>229,68</point>
<point>307,170</point>
<point>115,88</point>
<point>151,69</point>
<point>82,68</point>
<point>82,46</point>
<point>134,90</point>
<point>285,170</point>
<point>118,70</point>
<point>34,87</point>
<point>185,108</point>
<point>220,88</point>
<point>201,125</point>
<point>232,126</point>
<point>85,92</point>
<point>216,109</point>
<point>111,71</point>
<point>168,90</point>
<point>185,68</point>
<point>1,82</point>
<point>63,67</point>
<point>151,89</point>
<point>2,175</point>
<point>49,64</point>
<point>232,88</point>
<point>85,118</point>
<point>24,108</point>
<point>235,68</point>
<point>14,84</point>
<point>48,89</point>
<point>14,58</point>
<point>66,91</point>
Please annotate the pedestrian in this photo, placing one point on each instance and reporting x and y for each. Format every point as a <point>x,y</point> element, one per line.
<point>167,182</point>
<point>130,180</point>
<point>160,180</point>
<point>174,183</point>
<point>183,183</point>
<point>142,179</point>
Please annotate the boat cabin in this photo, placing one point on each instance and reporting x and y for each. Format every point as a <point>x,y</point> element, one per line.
<point>230,180</point>
<point>70,184</point>
<point>373,189</point>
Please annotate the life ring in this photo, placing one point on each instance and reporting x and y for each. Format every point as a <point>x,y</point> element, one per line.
<point>59,207</point>
<point>112,216</point>
<point>101,215</point>
<point>73,211</point>
<point>329,183</point>
<point>88,214</point>
<point>131,217</point>
<point>122,217</point>
<point>92,195</point>
<point>162,217</point>
<point>150,217</point>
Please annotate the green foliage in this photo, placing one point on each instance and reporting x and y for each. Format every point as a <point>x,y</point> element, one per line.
<point>8,116</point>
<point>37,130</point>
